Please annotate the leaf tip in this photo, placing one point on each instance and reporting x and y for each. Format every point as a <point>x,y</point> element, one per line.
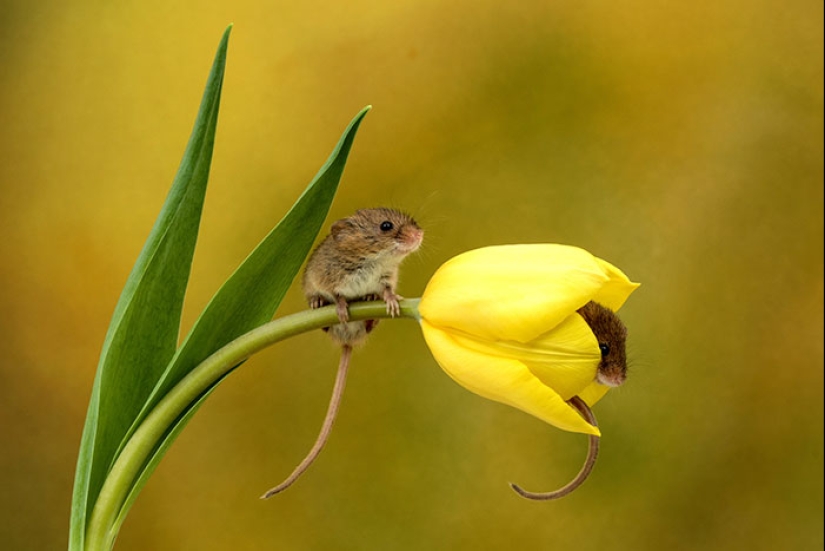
<point>225,38</point>
<point>362,113</point>
<point>356,121</point>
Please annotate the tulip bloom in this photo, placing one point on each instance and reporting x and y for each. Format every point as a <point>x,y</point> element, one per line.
<point>502,322</point>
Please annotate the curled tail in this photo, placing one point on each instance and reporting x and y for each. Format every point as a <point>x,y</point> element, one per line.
<point>592,454</point>
<point>326,428</point>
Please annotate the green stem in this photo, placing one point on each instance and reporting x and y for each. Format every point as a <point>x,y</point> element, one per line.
<point>103,526</point>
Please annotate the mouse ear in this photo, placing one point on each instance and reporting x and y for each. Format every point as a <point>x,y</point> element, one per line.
<point>338,227</point>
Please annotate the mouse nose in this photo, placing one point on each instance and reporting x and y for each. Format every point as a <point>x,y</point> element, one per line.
<point>611,376</point>
<point>414,238</point>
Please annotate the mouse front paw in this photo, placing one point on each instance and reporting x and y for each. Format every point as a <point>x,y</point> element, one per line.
<point>317,301</point>
<point>393,308</point>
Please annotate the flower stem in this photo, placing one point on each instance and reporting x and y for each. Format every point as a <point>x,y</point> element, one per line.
<point>107,513</point>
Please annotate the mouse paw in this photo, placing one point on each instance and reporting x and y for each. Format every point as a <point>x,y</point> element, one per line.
<point>317,301</point>
<point>393,308</point>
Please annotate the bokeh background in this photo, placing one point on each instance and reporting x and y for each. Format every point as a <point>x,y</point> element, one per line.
<point>681,141</point>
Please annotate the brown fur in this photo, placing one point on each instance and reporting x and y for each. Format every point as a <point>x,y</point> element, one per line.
<point>612,333</point>
<point>359,260</point>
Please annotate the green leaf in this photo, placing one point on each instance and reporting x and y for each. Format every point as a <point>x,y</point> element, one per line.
<point>143,333</point>
<point>252,294</point>
<point>157,453</point>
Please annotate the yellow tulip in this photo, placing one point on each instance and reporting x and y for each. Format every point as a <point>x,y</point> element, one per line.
<point>502,322</point>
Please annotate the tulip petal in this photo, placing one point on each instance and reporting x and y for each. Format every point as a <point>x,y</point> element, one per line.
<point>565,358</point>
<point>617,288</point>
<point>593,392</point>
<point>517,292</point>
<point>576,361</point>
<point>502,379</point>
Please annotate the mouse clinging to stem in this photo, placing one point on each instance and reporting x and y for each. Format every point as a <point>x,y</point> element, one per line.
<point>358,260</point>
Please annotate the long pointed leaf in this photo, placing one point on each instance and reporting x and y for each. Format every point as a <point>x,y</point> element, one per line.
<point>253,292</point>
<point>143,333</point>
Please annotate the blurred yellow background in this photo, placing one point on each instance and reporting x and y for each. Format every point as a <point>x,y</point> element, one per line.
<point>681,141</point>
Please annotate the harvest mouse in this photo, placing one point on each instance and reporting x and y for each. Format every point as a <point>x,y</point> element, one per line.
<point>358,260</point>
<point>611,334</point>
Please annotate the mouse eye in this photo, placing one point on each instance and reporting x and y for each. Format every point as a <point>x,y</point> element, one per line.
<point>605,348</point>
<point>386,225</point>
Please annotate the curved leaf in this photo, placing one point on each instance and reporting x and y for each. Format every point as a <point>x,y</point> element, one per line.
<point>143,333</point>
<point>252,294</point>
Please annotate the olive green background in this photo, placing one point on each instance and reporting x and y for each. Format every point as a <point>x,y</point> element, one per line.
<point>680,141</point>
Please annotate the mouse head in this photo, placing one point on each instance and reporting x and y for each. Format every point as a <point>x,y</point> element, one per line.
<point>379,230</point>
<point>611,335</point>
